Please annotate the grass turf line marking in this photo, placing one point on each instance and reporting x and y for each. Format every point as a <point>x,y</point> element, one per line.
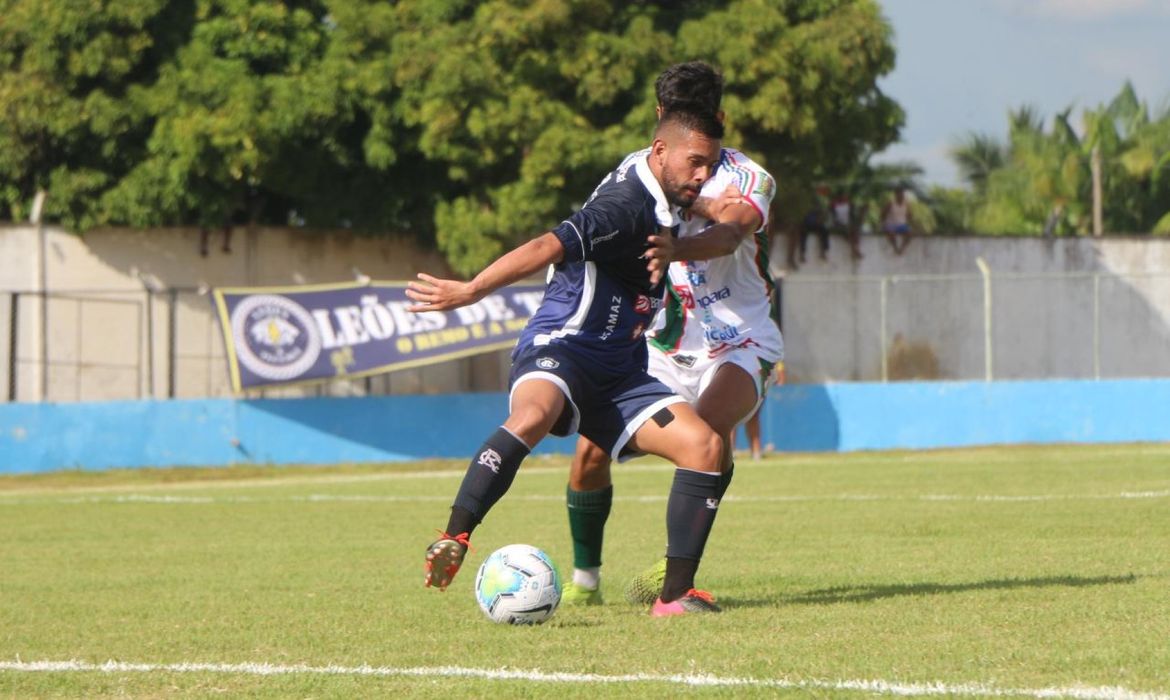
<point>342,498</point>
<point>975,454</point>
<point>281,481</point>
<point>869,686</point>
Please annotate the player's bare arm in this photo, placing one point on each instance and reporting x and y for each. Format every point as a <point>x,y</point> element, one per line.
<point>712,208</point>
<point>434,294</point>
<point>736,219</point>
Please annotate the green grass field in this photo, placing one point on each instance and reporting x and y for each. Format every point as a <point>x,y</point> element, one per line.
<point>1020,572</point>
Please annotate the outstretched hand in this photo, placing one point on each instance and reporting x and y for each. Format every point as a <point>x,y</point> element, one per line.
<point>434,294</point>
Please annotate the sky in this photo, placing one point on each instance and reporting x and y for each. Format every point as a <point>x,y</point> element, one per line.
<point>962,65</point>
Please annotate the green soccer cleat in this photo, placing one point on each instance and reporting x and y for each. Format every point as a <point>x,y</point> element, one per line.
<point>576,594</point>
<point>644,588</point>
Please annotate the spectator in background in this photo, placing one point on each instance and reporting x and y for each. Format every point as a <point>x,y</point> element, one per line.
<point>897,220</point>
<point>815,221</point>
<point>844,222</point>
<point>752,425</point>
<point>752,428</point>
<point>792,234</point>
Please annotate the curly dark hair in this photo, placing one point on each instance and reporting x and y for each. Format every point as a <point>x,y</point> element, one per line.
<point>693,86</point>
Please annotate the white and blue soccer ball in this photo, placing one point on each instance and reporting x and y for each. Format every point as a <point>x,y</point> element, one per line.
<point>518,585</point>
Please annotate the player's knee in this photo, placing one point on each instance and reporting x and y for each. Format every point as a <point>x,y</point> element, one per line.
<point>594,459</point>
<point>530,423</point>
<point>590,468</point>
<point>706,449</point>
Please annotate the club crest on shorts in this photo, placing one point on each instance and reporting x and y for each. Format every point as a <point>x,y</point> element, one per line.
<point>547,363</point>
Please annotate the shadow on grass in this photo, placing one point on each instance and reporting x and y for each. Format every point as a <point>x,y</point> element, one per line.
<point>862,594</point>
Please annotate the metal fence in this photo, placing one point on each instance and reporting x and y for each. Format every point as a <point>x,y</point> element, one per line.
<point>977,327</point>
<point>106,345</point>
<point>98,345</point>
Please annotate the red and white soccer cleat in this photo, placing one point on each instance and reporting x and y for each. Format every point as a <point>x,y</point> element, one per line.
<point>444,557</point>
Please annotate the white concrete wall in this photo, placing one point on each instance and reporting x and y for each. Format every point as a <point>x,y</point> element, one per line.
<point>1061,308</point>
<point>1051,318</point>
<point>100,314</point>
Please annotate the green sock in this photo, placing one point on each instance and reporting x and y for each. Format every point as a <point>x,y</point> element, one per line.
<point>588,511</point>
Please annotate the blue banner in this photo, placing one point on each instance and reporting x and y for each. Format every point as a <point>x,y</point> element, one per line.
<point>291,335</point>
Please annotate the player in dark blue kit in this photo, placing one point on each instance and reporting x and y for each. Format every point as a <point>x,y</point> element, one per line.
<point>580,365</point>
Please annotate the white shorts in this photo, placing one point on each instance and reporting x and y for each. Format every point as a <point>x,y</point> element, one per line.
<point>689,375</point>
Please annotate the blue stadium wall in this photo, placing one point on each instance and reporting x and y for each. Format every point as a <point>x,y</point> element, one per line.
<point>838,417</point>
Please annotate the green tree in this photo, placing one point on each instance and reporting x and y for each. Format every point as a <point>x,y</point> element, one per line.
<point>470,123</point>
<point>559,92</point>
<point>231,114</point>
<point>66,124</point>
<point>977,156</point>
<point>1041,181</point>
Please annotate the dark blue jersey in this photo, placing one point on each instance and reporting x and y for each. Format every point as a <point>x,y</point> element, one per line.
<point>599,300</point>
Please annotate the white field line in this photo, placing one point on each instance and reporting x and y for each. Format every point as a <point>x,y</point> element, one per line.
<point>867,686</point>
<point>981,455</point>
<point>316,479</point>
<point>343,498</point>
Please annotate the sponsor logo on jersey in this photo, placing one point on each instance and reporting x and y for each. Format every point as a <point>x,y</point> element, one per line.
<point>721,335</point>
<point>642,304</point>
<point>275,337</point>
<point>697,278</point>
<point>602,239</point>
<point>615,309</point>
<point>547,363</point>
<point>491,459</point>
<point>717,295</point>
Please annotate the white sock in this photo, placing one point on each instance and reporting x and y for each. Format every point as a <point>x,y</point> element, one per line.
<point>588,578</point>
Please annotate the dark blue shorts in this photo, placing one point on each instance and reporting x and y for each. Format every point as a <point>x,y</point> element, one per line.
<point>606,404</point>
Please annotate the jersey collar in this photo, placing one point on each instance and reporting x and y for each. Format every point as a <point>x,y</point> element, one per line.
<point>666,214</point>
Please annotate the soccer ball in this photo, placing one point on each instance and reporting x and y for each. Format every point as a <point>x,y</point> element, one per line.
<point>518,584</point>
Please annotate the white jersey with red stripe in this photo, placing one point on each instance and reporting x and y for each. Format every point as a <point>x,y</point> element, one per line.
<point>715,306</point>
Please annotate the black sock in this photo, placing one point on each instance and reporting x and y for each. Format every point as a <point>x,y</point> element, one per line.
<point>680,573</point>
<point>680,578</point>
<point>489,476</point>
<point>588,511</point>
<point>690,513</point>
<point>461,520</point>
<point>725,481</point>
